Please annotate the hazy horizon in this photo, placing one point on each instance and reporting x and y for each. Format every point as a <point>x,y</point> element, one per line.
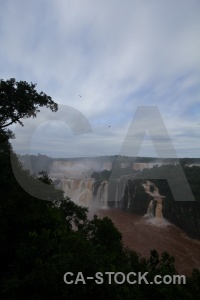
<point>111,156</point>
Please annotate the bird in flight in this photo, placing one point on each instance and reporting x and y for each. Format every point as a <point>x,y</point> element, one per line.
<point>80,96</point>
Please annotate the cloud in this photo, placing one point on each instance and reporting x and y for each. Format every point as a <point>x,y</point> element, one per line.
<point>115,55</point>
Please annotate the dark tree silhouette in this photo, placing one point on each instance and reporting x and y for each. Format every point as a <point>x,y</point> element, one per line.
<point>20,100</point>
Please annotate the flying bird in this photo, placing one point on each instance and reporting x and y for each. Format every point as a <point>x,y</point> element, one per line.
<point>80,96</point>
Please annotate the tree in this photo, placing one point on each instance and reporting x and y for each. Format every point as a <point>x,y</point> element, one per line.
<point>42,240</point>
<point>21,100</point>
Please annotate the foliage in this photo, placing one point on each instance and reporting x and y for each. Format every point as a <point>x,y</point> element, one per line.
<point>42,240</point>
<point>21,100</point>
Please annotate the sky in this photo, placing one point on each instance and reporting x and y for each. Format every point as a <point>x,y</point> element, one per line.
<point>102,61</point>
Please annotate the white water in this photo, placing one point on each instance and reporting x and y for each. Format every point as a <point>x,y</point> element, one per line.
<point>150,211</point>
<point>158,218</point>
<point>80,191</point>
<point>102,194</point>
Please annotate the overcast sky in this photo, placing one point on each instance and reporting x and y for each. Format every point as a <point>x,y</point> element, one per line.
<point>104,59</point>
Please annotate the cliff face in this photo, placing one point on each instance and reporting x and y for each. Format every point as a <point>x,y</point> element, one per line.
<point>88,191</point>
<point>131,194</point>
<point>138,196</point>
<point>184,214</point>
<point>126,190</point>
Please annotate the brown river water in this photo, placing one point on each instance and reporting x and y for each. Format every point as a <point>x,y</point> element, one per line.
<point>144,234</point>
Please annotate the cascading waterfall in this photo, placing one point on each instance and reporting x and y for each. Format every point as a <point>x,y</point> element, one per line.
<point>67,186</point>
<point>150,211</point>
<point>85,192</point>
<point>102,194</point>
<point>73,177</point>
<point>158,211</point>
<point>129,198</point>
<point>159,214</point>
<point>80,191</point>
<point>120,188</point>
<point>157,198</point>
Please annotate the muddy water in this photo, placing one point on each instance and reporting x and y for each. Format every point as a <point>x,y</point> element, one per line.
<point>142,235</point>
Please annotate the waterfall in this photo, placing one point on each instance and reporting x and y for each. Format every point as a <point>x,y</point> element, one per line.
<point>120,189</point>
<point>150,211</point>
<point>102,194</point>
<point>157,199</point>
<point>158,218</point>
<point>159,214</point>
<point>85,192</point>
<point>80,191</point>
<point>67,186</point>
<point>116,194</point>
<point>105,196</point>
<point>129,197</point>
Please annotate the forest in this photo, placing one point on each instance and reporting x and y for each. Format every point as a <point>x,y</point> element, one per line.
<point>42,240</point>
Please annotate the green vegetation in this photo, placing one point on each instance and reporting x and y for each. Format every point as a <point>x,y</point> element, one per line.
<point>42,240</point>
<point>21,100</point>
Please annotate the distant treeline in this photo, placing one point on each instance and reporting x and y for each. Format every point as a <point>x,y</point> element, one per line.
<point>41,162</point>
